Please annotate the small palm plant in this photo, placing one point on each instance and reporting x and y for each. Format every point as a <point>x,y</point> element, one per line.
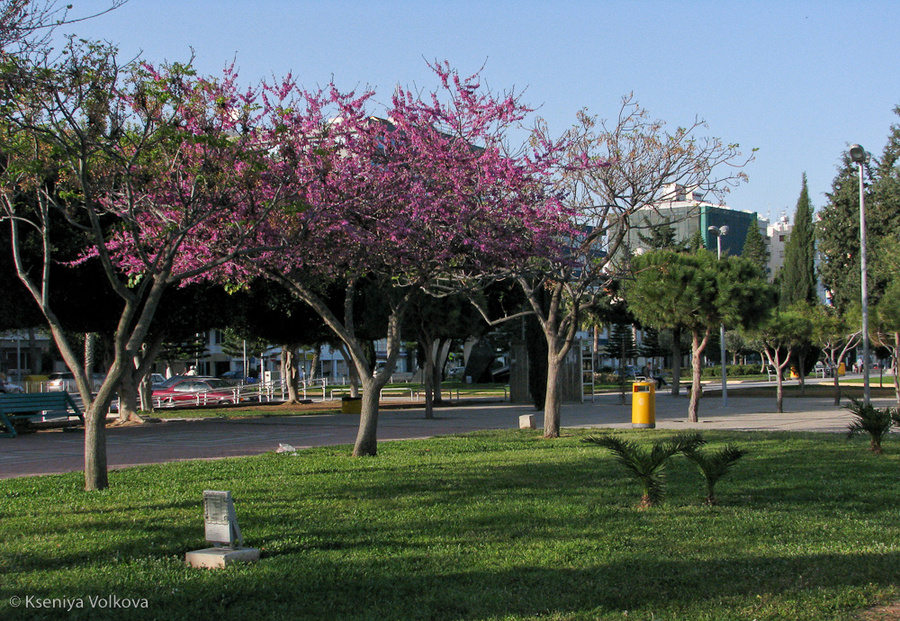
<point>874,421</point>
<point>714,466</point>
<point>647,465</point>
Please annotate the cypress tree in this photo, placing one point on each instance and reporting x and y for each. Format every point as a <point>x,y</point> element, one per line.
<point>798,275</point>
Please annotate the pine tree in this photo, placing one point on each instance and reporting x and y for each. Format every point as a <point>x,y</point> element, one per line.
<point>662,236</point>
<point>838,237</point>
<point>650,346</point>
<point>621,345</point>
<point>696,243</point>
<point>798,275</point>
<point>755,248</point>
<point>838,229</point>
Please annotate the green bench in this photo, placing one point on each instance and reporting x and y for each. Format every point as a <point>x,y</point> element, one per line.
<point>22,407</point>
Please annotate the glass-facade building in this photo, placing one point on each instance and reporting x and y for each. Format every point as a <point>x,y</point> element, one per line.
<point>686,219</point>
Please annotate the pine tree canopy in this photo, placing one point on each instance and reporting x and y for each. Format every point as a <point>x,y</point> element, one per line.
<point>838,227</point>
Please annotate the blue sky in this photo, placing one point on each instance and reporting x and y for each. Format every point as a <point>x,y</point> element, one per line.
<point>797,80</point>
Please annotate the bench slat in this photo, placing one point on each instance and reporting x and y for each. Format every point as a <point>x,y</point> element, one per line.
<point>26,404</point>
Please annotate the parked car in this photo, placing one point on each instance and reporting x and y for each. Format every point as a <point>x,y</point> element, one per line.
<point>167,383</point>
<point>8,387</point>
<point>185,390</point>
<point>65,380</point>
<point>629,371</point>
<point>237,377</point>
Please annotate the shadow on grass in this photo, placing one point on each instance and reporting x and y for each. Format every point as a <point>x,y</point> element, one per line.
<point>281,589</point>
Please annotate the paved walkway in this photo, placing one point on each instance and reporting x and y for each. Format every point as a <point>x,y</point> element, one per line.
<point>49,452</point>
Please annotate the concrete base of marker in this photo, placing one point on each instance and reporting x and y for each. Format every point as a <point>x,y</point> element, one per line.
<point>526,421</point>
<point>216,558</point>
<point>643,425</point>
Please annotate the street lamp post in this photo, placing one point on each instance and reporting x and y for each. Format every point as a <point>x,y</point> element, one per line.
<point>720,232</point>
<point>859,155</point>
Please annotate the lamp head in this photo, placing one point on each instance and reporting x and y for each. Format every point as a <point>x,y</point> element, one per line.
<point>857,153</point>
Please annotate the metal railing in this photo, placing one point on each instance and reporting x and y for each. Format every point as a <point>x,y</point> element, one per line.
<point>267,392</point>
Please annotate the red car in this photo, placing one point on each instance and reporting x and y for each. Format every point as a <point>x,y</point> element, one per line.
<point>195,391</point>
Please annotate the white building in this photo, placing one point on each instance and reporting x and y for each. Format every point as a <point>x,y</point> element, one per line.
<point>777,236</point>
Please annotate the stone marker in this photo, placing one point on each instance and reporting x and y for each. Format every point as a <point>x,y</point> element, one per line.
<point>526,421</point>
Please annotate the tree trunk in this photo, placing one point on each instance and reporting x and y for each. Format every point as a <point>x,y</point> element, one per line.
<point>316,362</point>
<point>895,356</point>
<point>429,346</point>
<point>698,344</point>
<point>801,370</point>
<point>291,369</point>
<point>95,475</point>
<point>676,361</point>
<point>372,383</point>
<point>774,357</point>
<point>145,393</point>
<point>429,385</point>
<point>95,465</point>
<point>837,386</point>
<point>90,340</point>
<point>135,389</point>
<point>552,399</point>
<point>351,369</point>
<point>556,351</point>
<point>128,398</point>
<point>442,350</point>
<point>779,391</point>
<point>366,444</point>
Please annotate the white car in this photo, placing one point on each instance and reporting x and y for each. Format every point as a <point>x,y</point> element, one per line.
<point>65,380</point>
<point>9,387</point>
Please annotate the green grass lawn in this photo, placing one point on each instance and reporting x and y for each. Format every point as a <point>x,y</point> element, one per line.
<point>492,525</point>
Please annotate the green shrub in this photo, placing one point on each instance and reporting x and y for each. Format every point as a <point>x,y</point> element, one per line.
<point>876,422</point>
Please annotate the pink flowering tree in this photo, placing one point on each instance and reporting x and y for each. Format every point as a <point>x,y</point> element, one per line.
<point>150,170</point>
<point>422,198</point>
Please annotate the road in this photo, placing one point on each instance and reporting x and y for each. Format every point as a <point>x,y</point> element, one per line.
<point>50,452</point>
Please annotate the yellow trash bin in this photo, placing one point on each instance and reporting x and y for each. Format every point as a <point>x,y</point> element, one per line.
<point>842,369</point>
<point>351,405</point>
<point>643,405</point>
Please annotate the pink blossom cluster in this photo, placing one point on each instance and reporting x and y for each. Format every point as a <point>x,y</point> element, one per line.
<point>310,181</point>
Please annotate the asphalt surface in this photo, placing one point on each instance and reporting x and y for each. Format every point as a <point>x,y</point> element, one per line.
<point>56,451</point>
